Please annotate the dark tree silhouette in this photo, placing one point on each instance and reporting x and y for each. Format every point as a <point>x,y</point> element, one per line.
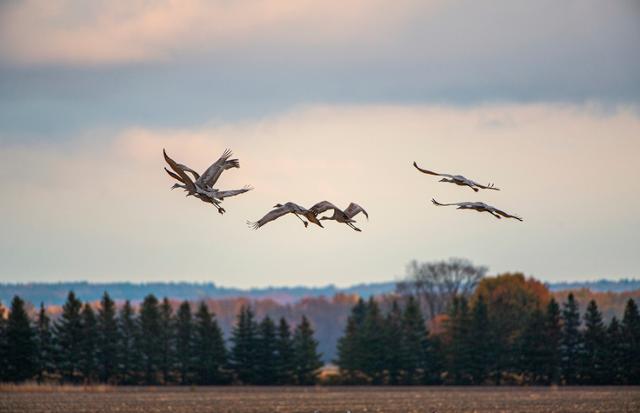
<point>184,361</point>
<point>306,356</point>
<point>68,332</point>
<point>128,356</point>
<point>570,342</point>
<point>108,338</point>
<point>244,350</point>
<point>21,350</point>
<point>44,340</point>
<point>88,360</point>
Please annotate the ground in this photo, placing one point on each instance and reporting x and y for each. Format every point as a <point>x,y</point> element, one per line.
<point>323,399</point>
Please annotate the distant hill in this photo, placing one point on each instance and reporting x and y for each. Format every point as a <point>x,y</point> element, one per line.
<point>55,293</point>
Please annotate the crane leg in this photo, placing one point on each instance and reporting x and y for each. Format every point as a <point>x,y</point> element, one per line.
<point>354,227</point>
<point>303,221</point>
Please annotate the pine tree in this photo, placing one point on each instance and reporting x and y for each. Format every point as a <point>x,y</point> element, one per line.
<point>532,349</point>
<point>108,338</point>
<point>570,341</point>
<point>4,362</point>
<point>631,332</point>
<point>44,339</point>
<point>166,339</point>
<point>615,372</point>
<point>243,352</point>
<point>208,347</point>
<point>553,333</point>
<point>148,338</point>
<point>459,349</point>
<point>68,338</point>
<point>307,359</point>
<point>284,353</point>
<point>479,330</point>
<point>349,345</point>
<point>372,349</point>
<point>394,346</point>
<point>127,354</point>
<point>415,345</point>
<point>593,352</point>
<point>267,356</point>
<point>184,336</point>
<point>21,352</point>
<point>88,345</point>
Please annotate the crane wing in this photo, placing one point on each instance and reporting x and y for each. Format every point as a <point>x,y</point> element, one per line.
<point>504,214</point>
<point>354,209</point>
<point>232,192</point>
<point>273,215</point>
<point>184,177</point>
<point>211,175</point>
<point>323,206</point>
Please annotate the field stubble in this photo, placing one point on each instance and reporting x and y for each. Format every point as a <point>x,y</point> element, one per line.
<point>319,399</point>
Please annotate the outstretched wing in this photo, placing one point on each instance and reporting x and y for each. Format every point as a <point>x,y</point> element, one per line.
<point>211,175</point>
<point>185,168</point>
<point>354,209</point>
<point>504,214</point>
<point>179,172</point>
<point>273,215</point>
<point>490,186</point>
<point>425,171</point>
<point>323,206</point>
<point>174,176</point>
<point>440,204</point>
<point>232,192</point>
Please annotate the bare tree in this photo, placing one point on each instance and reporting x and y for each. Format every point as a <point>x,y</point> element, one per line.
<point>437,283</point>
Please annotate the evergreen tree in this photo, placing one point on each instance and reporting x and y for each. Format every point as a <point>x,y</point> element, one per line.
<point>631,332</point>
<point>394,346</point>
<point>108,338</point>
<point>208,348</point>
<point>307,359</point>
<point>570,341</point>
<point>166,339</point>
<point>244,350</point>
<point>459,349</point>
<point>88,345</point>
<point>372,344</point>
<point>68,338</point>
<point>4,362</point>
<point>532,349</point>
<point>349,345</point>
<point>267,357</point>
<point>284,353</point>
<point>615,357</point>
<point>21,350</point>
<point>127,354</point>
<point>593,351</point>
<point>44,339</point>
<point>148,338</point>
<point>184,337</point>
<point>479,330</point>
<point>553,333</point>
<point>415,345</point>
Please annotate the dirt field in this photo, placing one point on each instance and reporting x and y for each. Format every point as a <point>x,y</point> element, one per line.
<point>325,399</point>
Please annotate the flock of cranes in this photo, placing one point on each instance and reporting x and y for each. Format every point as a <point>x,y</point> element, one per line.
<point>462,181</point>
<point>202,187</point>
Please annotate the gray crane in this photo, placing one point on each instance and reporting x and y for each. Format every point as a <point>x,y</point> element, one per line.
<point>282,210</point>
<point>202,186</point>
<point>480,207</point>
<point>345,217</point>
<point>457,179</point>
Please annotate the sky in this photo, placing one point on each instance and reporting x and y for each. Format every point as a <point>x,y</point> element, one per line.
<point>320,101</point>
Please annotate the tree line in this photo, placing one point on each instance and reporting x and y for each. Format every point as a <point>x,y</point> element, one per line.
<point>153,345</point>
<point>552,345</point>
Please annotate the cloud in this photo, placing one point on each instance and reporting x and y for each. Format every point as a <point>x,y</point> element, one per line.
<point>71,31</point>
<point>100,208</point>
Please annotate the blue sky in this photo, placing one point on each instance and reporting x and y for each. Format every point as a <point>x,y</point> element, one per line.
<point>319,100</point>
